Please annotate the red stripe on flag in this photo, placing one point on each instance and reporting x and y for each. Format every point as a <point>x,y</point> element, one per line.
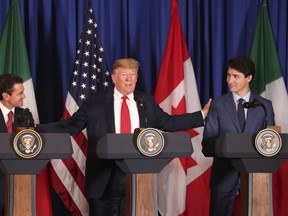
<point>43,199</point>
<point>81,140</point>
<point>62,191</point>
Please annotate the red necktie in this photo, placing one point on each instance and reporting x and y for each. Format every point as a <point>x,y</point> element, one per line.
<point>9,123</point>
<point>125,124</point>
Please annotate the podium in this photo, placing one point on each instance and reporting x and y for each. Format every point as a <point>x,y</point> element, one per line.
<point>55,146</point>
<point>239,148</point>
<point>122,149</point>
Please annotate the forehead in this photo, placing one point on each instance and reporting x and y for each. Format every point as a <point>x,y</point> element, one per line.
<point>18,87</point>
<point>125,69</point>
<point>232,71</point>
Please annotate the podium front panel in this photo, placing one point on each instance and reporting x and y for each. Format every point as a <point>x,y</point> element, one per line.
<point>241,150</point>
<point>122,149</point>
<point>55,146</point>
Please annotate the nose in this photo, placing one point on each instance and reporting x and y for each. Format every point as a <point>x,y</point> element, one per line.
<point>230,79</point>
<point>129,76</point>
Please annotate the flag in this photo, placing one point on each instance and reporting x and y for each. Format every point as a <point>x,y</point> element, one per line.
<point>183,184</point>
<point>90,74</point>
<point>14,60</point>
<point>269,83</point>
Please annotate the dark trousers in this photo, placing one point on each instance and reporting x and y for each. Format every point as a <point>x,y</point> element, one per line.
<point>113,202</point>
<point>222,203</point>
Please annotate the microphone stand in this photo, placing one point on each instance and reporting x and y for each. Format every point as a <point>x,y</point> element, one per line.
<point>254,104</point>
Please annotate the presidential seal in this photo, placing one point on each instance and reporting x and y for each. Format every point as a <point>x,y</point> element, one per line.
<point>27,143</point>
<point>268,142</point>
<point>150,142</point>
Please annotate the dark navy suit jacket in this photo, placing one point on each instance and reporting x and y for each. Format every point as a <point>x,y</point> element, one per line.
<point>222,118</point>
<point>97,116</point>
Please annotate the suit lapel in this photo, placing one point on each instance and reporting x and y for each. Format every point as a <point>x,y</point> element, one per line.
<point>231,109</point>
<point>141,111</point>
<point>3,127</point>
<point>109,107</point>
<point>252,114</point>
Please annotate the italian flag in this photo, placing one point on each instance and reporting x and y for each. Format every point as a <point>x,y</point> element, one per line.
<point>14,60</point>
<point>269,83</point>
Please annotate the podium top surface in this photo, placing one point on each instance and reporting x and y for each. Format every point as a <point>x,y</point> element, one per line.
<point>239,145</point>
<point>55,146</point>
<point>123,146</point>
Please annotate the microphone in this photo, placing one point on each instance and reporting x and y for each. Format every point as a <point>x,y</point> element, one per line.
<point>254,104</point>
<point>25,118</point>
<point>140,101</point>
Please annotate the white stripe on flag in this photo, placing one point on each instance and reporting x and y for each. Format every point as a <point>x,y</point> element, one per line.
<point>30,101</point>
<point>77,153</point>
<point>70,185</point>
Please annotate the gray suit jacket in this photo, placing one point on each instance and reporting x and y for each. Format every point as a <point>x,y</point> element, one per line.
<point>222,118</point>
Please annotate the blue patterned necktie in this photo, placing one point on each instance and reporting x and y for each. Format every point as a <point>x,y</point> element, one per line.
<point>241,114</point>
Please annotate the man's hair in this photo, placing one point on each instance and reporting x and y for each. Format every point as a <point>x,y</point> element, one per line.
<point>125,63</point>
<point>7,82</point>
<point>242,64</point>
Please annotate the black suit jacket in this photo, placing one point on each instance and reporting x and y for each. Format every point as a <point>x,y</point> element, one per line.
<point>97,116</point>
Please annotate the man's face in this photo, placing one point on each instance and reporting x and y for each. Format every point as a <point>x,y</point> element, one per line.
<point>16,98</point>
<point>237,82</point>
<point>125,80</point>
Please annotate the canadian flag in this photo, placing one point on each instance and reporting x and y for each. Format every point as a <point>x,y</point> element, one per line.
<point>183,184</point>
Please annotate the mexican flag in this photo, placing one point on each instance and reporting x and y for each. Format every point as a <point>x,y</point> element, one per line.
<point>14,60</point>
<point>269,83</point>
<point>13,56</point>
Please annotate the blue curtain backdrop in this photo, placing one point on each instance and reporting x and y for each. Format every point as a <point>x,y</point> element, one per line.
<point>215,30</point>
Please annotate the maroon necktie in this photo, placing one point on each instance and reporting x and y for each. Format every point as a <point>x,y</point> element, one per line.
<point>9,123</point>
<point>125,124</point>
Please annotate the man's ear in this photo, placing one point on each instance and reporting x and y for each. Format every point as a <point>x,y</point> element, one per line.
<point>5,95</point>
<point>113,78</point>
<point>249,78</point>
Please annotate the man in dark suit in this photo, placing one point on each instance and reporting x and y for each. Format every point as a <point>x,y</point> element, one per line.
<point>222,118</point>
<point>100,114</point>
<point>11,99</point>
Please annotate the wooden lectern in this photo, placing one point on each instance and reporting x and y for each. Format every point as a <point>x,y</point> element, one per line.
<point>240,149</point>
<point>55,146</point>
<point>122,149</point>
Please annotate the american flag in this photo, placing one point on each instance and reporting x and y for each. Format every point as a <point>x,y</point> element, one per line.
<point>90,74</point>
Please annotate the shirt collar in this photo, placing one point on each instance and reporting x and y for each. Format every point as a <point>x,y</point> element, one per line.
<point>118,95</point>
<point>5,110</point>
<point>245,97</point>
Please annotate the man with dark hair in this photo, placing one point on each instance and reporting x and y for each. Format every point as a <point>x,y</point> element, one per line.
<point>11,99</point>
<point>101,114</point>
<point>227,114</point>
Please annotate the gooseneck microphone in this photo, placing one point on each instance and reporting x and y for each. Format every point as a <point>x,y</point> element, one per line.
<point>24,118</point>
<point>254,104</point>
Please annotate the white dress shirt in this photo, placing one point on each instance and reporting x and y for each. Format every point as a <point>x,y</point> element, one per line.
<point>134,115</point>
<point>5,112</point>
